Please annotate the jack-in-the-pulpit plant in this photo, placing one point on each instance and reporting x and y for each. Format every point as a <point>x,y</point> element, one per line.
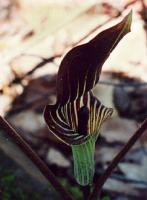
<point>77,116</point>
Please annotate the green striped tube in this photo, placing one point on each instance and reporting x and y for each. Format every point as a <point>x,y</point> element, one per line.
<point>83,156</point>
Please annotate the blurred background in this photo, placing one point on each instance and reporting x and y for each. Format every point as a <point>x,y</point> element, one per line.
<point>34,37</point>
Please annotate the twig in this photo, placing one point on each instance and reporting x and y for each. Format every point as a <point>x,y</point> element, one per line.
<point>92,31</point>
<point>100,182</point>
<point>143,4</point>
<point>130,3</point>
<point>7,128</point>
<point>106,22</point>
<point>51,59</point>
<point>29,105</point>
<point>44,62</point>
<point>123,178</point>
<point>95,29</point>
<point>109,83</point>
<point>128,180</point>
<point>43,98</point>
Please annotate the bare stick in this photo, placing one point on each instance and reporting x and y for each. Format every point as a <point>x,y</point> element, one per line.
<point>100,182</point>
<point>7,128</point>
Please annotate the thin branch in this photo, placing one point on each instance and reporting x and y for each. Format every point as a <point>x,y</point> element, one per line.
<point>109,83</point>
<point>143,4</point>
<point>92,31</point>
<point>100,182</point>
<point>130,3</point>
<point>128,180</point>
<point>44,62</point>
<point>118,14</point>
<point>29,105</point>
<point>41,100</point>
<point>123,178</point>
<point>7,128</point>
<point>51,59</point>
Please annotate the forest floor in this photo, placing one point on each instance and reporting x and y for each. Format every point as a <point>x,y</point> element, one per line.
<point>34,37</point>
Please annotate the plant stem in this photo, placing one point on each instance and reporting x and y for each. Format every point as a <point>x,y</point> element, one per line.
<point>86,192</point>
<point>100,182</point>
<point>7,128</point>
